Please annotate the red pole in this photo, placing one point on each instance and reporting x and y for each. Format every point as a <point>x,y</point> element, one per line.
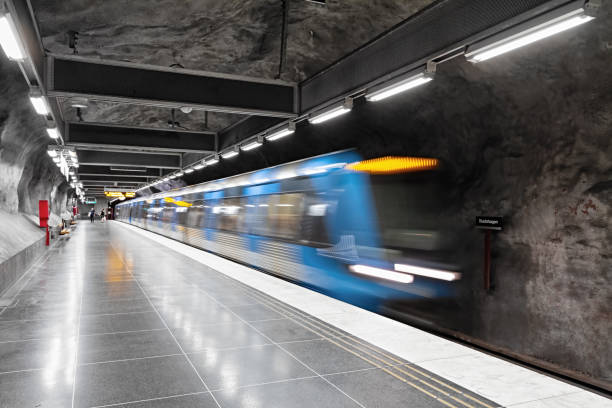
<point>47,240</point>
<point>487,260</point>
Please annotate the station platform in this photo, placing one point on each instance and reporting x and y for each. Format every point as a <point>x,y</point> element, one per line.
<point>118,316</point>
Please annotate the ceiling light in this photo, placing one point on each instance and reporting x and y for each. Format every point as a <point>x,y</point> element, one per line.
<point>428,272</point>
<point>179,174</point>
<point>325,115</point>
<point>52,152</point>
<point>75,165</point>
<point>212,161</point>
<point>188,171</point>
<point>251,145</point>
<point>39,104</point>
<point>524,34</point>
<point>200,166</point>
<point>56,159</point>
<point>9,40</point>
<point>72,153</point>
<point>53,133</point>
<point>230,153</point>
<point>167,179</point>
<point>403,84</point>
<point>172,176</point>
<point>278,134</point>
<point>382,273</point>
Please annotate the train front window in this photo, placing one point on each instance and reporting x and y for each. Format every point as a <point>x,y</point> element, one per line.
<point>408,210</point>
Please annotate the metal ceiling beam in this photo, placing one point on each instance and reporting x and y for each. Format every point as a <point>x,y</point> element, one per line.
<point>107,170</point>
<point>90,183</point>
<point>69,76</point>
<point>436,34</point>
<point>94,135</point>
<point>244,129</point>
<point>110,158</point>
<point>110,178</point>
<point>442,30</point>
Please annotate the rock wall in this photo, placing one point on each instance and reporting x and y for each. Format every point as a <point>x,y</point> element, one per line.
<point>27,173</point>
<point>527,136</point>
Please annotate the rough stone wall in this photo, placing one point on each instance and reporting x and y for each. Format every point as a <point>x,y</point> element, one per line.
<point>527,136</point>
<point>27,173</point>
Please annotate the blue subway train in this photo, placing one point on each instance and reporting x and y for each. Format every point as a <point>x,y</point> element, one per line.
<point>369,232</point>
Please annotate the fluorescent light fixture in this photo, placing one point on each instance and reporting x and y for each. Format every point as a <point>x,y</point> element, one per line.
<point>278,134</point>
<point>179,174</point>
<point>200,165</point>
<point>213,161</point>
<point>39,104</point>
<point>408,82</point>
<point>187,171</point>
<point>172,176</point>
<point>52,152</point>
<point>251,145</point>
<point>382,273</point>
<point>53,133</point>
<point>529,32</point>
<point>428,272</point>
<point>56,159</point>
<point>229,154</point>
<point>334,112</point>
<point>9,39</point>
<point>167,179</point>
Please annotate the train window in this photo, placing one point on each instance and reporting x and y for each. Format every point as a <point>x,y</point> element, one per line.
<point>314,229</point>
<point>284,213</point>
<point>195,214</point>
<point>230,214</point>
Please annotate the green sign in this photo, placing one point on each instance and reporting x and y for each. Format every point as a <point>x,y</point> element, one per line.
<point>90,200</point>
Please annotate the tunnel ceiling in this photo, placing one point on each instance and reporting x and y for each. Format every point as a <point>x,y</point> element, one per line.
<point>223,36</point>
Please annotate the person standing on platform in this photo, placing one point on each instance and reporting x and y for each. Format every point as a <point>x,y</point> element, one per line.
<point>91,215</point>
<point>102,217</point>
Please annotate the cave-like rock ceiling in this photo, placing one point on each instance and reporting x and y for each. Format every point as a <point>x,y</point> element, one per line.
<point>226,36</point>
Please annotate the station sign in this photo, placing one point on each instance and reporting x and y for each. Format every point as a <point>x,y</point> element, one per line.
<point>489,223</point>
<point>90,200</point>
<point>120,194</point>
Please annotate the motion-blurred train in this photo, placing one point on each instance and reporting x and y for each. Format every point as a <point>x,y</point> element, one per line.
<point>368,232</point>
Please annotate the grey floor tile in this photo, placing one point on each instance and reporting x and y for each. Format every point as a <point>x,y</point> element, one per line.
<point>108,347</point>
<point>233,299</point>
<point>305,393</point>
<point>177,317</point>
<point>120,323</point>
<point>376,388</point>
<point>285,330</point>
<point>40,313</point>
<point>115,306</point>
<point>247,366</point>
<point>198,338</point>
<point>135,380</point>
<point>255,312</point>
<point>204,400</point>
<point>50,354</point>
<point>48,389</point>
<point>36,329</point>
<point>325,357</point>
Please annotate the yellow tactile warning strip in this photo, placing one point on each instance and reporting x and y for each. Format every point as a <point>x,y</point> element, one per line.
<point>437,388</point>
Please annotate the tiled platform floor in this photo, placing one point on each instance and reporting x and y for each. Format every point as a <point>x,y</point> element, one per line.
<point>114,319</point>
